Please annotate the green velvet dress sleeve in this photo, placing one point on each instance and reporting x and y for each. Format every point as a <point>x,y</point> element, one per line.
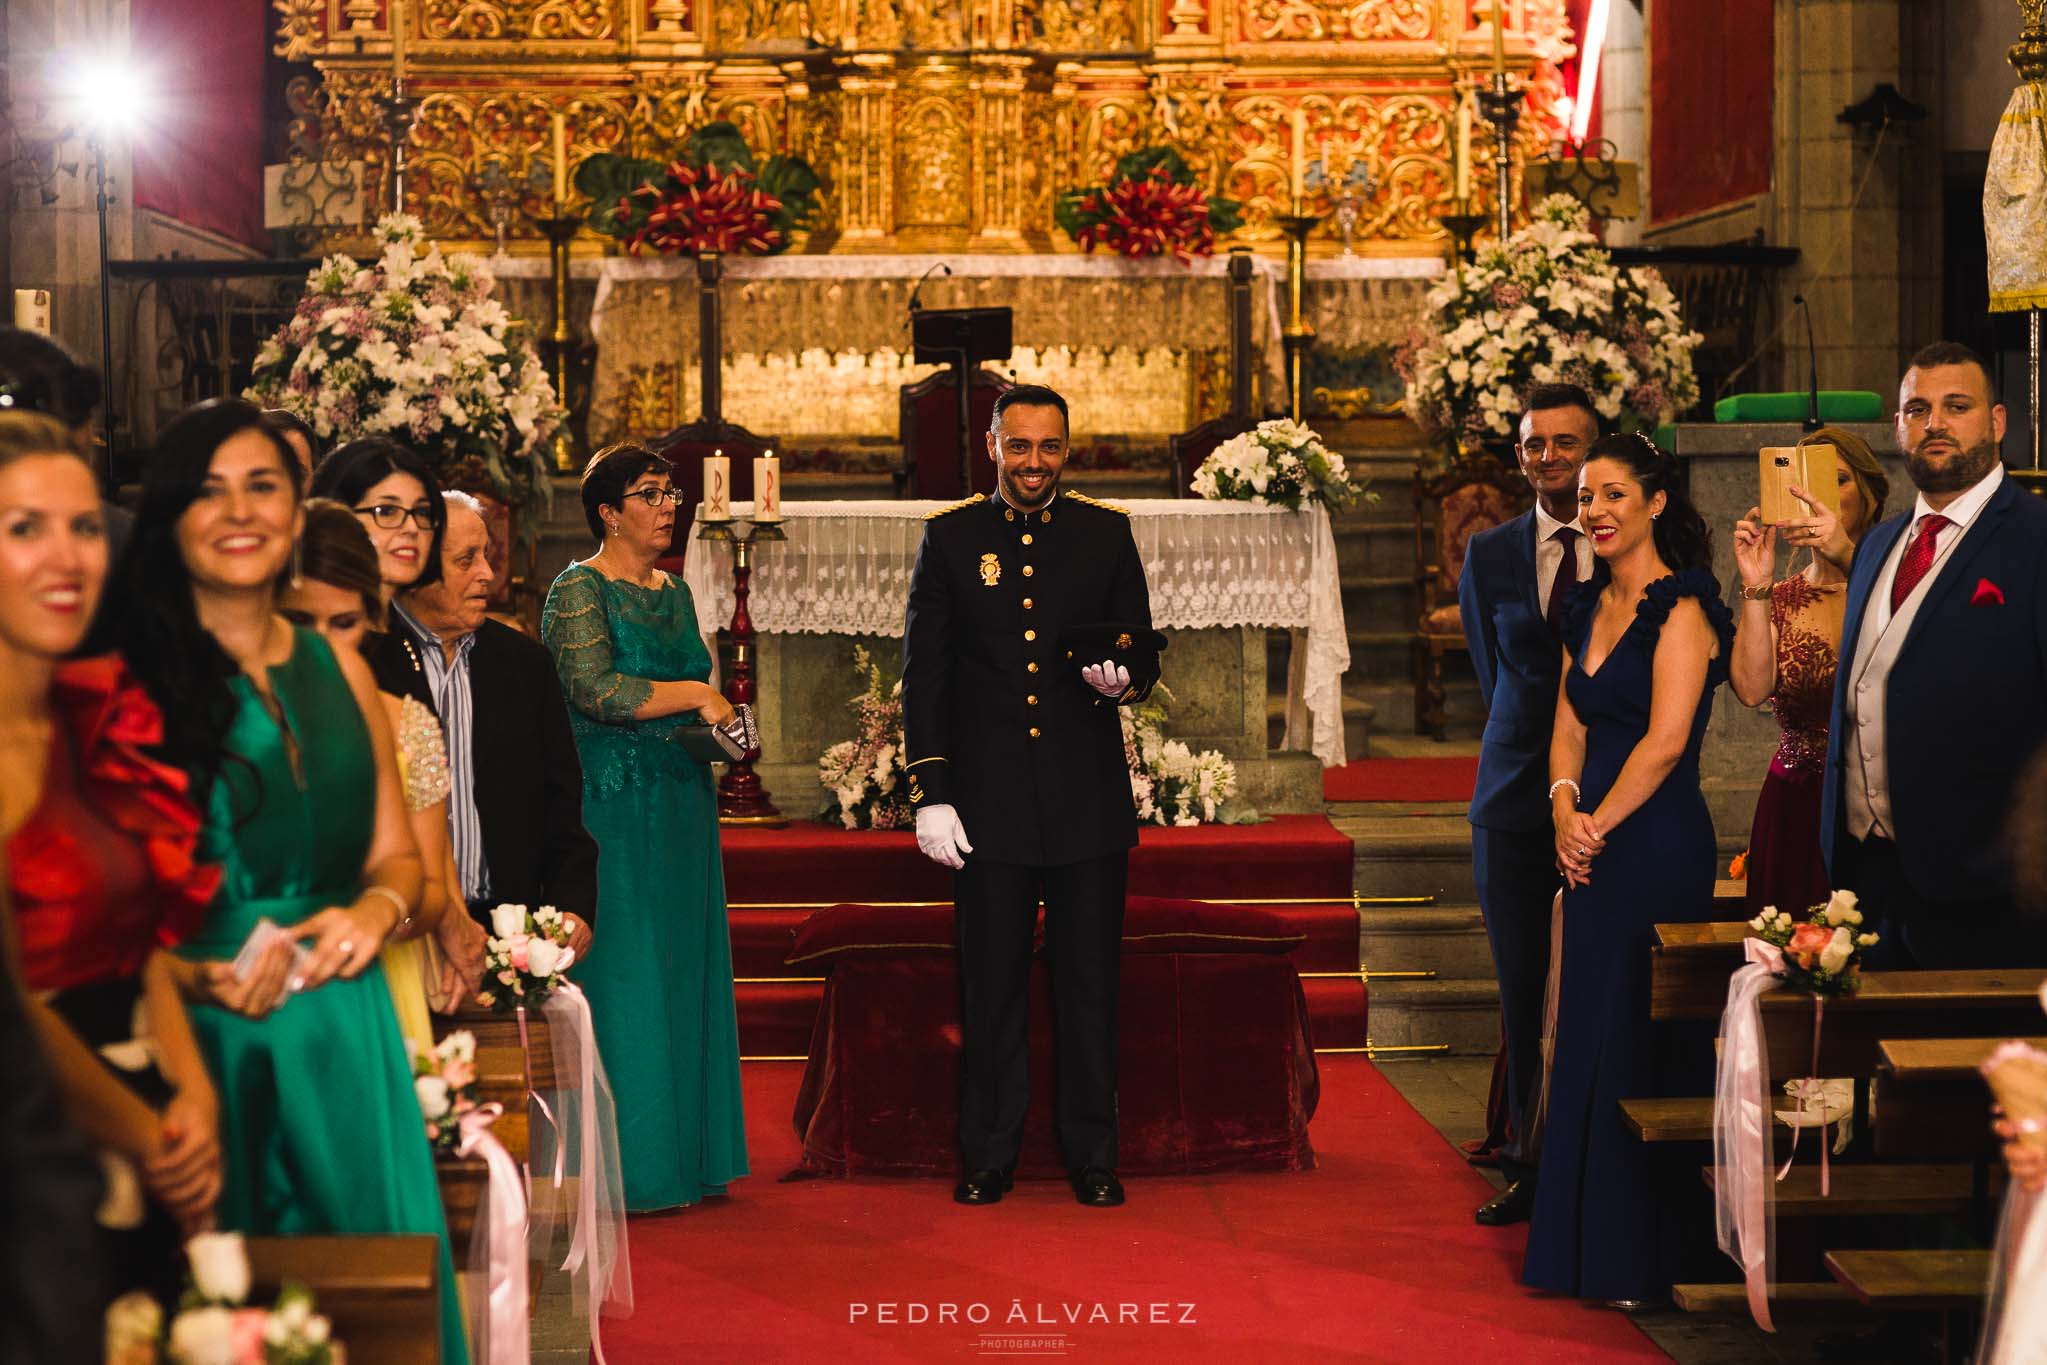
<point>577,629</point>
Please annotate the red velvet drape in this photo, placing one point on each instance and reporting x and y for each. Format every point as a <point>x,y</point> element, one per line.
<point>199,152</point>
<point>1711,93</point>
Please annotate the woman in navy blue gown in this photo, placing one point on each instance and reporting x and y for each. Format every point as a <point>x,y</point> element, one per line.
<point>1644,652</point>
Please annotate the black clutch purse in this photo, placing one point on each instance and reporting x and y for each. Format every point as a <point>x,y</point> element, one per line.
<point>726,743</point>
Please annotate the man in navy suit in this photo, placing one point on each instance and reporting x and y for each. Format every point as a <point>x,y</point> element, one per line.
<point>1511,595</point>
<point>1941,695</point>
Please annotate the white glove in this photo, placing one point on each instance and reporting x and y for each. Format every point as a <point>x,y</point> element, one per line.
<point>941,836</point>
<point>1108,677</point>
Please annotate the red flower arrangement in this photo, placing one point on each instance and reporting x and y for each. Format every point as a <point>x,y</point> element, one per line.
<point>703,208</point>
<point>1151,206</point>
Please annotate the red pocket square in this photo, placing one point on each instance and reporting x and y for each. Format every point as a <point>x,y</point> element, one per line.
<point>1987,594</point>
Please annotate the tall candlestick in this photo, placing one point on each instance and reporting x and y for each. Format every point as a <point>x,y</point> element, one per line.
<point>1499,37</point>
<point>561,158</point>
<point>1463,148</point>
<point>767,487</point>
<point>394,15</point>
<point>717,487</point>
<point>1300,156</point>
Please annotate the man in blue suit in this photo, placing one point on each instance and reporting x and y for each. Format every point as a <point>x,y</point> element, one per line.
<point>1941,695</point>
<point>1511,595</point>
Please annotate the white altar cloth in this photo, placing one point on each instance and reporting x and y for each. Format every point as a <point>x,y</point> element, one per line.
<point>845,569</point>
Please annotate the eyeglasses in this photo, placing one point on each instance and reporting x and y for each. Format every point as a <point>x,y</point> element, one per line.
<point>654,497</point>
<point>389,516</point>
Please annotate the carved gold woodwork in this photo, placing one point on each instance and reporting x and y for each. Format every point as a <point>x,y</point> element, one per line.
<point>934,124</point>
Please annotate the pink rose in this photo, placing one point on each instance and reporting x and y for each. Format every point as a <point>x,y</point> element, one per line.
<point>248,1335</point>
<point>1808,941</point>
<point>519,946</point>
<point>458,1073</point>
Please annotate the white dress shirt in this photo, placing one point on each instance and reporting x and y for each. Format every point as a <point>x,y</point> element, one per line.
<point>1549,553</point>
<point>1865,714</point>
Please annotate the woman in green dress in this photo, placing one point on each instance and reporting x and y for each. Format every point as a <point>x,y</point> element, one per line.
<point>659,973</point>
<point>292,760</point>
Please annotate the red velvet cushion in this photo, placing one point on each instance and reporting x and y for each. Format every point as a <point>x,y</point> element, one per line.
<point>1151,924</point>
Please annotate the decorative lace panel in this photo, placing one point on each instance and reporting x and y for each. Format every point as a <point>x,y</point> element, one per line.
<point>845,570</point>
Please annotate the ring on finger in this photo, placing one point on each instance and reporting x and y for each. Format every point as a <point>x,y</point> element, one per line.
<point>345,947</point>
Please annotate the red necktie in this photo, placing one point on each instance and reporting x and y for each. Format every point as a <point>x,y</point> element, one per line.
<point>1567,575</point>
<point>1918,558</point>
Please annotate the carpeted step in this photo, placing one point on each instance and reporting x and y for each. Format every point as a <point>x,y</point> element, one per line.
<point>1338,1012</point>
<point>775,1018</point>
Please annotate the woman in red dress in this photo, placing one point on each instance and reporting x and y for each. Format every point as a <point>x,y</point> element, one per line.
<point>99,842</point>
<point>1785,646</point>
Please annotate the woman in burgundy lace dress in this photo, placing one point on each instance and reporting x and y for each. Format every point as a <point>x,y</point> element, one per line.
<point>1784,655</point>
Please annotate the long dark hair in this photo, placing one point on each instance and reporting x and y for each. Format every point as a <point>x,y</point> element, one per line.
<point>1682,539</point>
<point>352,470</point>
<point>334,549</point>
<point>152,618</point>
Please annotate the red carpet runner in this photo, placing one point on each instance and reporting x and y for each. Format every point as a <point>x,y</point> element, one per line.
<point>1371,1257</point>
<point>772,876</point>
<point>1450,778</point>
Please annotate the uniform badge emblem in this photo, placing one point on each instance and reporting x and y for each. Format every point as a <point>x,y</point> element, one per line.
<point>1123,641</point>
<point>991,570</point>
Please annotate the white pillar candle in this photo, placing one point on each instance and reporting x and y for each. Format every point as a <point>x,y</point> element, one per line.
<point>767,487</point>
<point>717,487</point>
<point>1464,152</point>
<point>32,310</point>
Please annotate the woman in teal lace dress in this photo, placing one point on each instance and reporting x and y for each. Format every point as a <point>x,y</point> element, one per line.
<point>659,975</point>
<point>292,760</point>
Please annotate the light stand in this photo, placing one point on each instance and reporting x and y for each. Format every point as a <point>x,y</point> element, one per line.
<point>96,143</point>
<point>742,800</point>
<point>560,228</point>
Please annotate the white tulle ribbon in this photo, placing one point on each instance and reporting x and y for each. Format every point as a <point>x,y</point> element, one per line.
<point>2015,1316</point>
<point>499,1329</point>
<point>585,1143</point>
<point>1744,1195</point>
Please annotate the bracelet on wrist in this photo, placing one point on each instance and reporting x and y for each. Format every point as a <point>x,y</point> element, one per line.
<point>397,902</point>
<point>1757,592</point>
<point>1577,792</point>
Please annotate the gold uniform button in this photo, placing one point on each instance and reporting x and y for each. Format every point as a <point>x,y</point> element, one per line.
<point>1034,732</point>
<point>1030,635</point>
<point>1008,514</point>
<point>1031,700</point>
<point>1027,537</point>
<point>1028,571</point>
<point>1027,604</point>
<point>1031,667</point>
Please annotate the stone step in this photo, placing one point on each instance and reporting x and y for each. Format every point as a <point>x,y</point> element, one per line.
<point>1393,704</point>
<point>1449,940</point>
<point>1410,851</point>
<point>1464,1014</point>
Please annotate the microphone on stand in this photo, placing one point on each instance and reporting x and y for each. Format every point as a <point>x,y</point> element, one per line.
<point>1812,396</point>
<point>917,292</point>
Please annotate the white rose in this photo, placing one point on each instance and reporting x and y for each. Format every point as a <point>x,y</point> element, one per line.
<point>542,957</point>
<point>1835,955</point>
<point>547,917</point>
<point>220,1266</point>
<point>461,1045</point>
<point>1865,940</point>
<point>507,920</point>
<point>433,1094</point>
<point>203,1336</point>
<point>133,1320</point>
<point>1840,903</point>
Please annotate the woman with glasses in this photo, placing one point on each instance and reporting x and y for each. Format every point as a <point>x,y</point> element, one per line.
<point>633,663</point>
<point>292,762</point>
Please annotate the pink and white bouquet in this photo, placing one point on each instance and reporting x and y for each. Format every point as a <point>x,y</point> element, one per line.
<point>864,775</point>
<point>444,1080</point>
<point>413,345</point>
<point>214,1326</point>
<point>524,958</point>
<point>1823,952</point>
<point>1549,306</point>
<point>1171,783</point>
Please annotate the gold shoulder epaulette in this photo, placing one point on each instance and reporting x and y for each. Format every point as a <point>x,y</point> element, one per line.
<point>938,512</point>
<point>1097,502</point>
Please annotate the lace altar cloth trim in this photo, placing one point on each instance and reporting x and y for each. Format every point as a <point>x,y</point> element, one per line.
<point>845,569</point>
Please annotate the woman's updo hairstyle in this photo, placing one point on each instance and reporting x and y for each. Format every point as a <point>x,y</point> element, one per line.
<point>610,472</point>
<point>1682,540</point>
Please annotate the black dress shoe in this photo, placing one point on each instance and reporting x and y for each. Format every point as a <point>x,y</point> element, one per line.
<point>1511,1205</point>
<point>1097,1187</point>
<point>982,1187</point>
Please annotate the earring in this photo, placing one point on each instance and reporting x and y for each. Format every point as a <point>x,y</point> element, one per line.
<point>298,562</point>
<point>1654,515</point>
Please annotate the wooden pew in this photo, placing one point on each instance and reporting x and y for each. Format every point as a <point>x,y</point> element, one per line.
<point>1689,965</point>
<point>1929,1099</point>
<point>501,1068</point>
<point>381,1294</point>
<point>1912,1280</point>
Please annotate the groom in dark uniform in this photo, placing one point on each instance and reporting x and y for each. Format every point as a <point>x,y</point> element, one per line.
<point>1029,623</point>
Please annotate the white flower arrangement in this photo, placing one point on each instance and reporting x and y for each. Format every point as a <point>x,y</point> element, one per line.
<point>864,775</point>
<point>1172,784</point>
<point>413,346</point>
<point>1547,307</point>
<point>524,957</point>
<point>213,1326</point>
<point>444,1082</point>
<point>1280,463</point>
<point>1822,953</point>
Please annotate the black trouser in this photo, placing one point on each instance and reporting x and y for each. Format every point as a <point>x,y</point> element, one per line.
<point>1925,933</point>
<point>1517,880</point>
<point>997,906</point>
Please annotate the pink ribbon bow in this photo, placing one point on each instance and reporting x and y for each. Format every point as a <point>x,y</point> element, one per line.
<point>500,1333</point>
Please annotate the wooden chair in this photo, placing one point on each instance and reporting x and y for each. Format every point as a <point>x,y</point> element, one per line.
<point>685,448</point>
<point>1187,449</point>
<point>1476,493</point>
<point>380,1292</point>
<point>927,424</point>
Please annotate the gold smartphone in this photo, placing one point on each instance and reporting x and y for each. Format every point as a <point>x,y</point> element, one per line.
<point>1811,467</point>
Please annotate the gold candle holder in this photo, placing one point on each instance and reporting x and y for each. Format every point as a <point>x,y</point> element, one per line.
<point>560,229</point>
<point>1297,336</point>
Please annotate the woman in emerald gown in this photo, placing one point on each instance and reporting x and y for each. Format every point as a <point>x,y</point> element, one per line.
<point>292,760</point>
<point>659,973</point>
